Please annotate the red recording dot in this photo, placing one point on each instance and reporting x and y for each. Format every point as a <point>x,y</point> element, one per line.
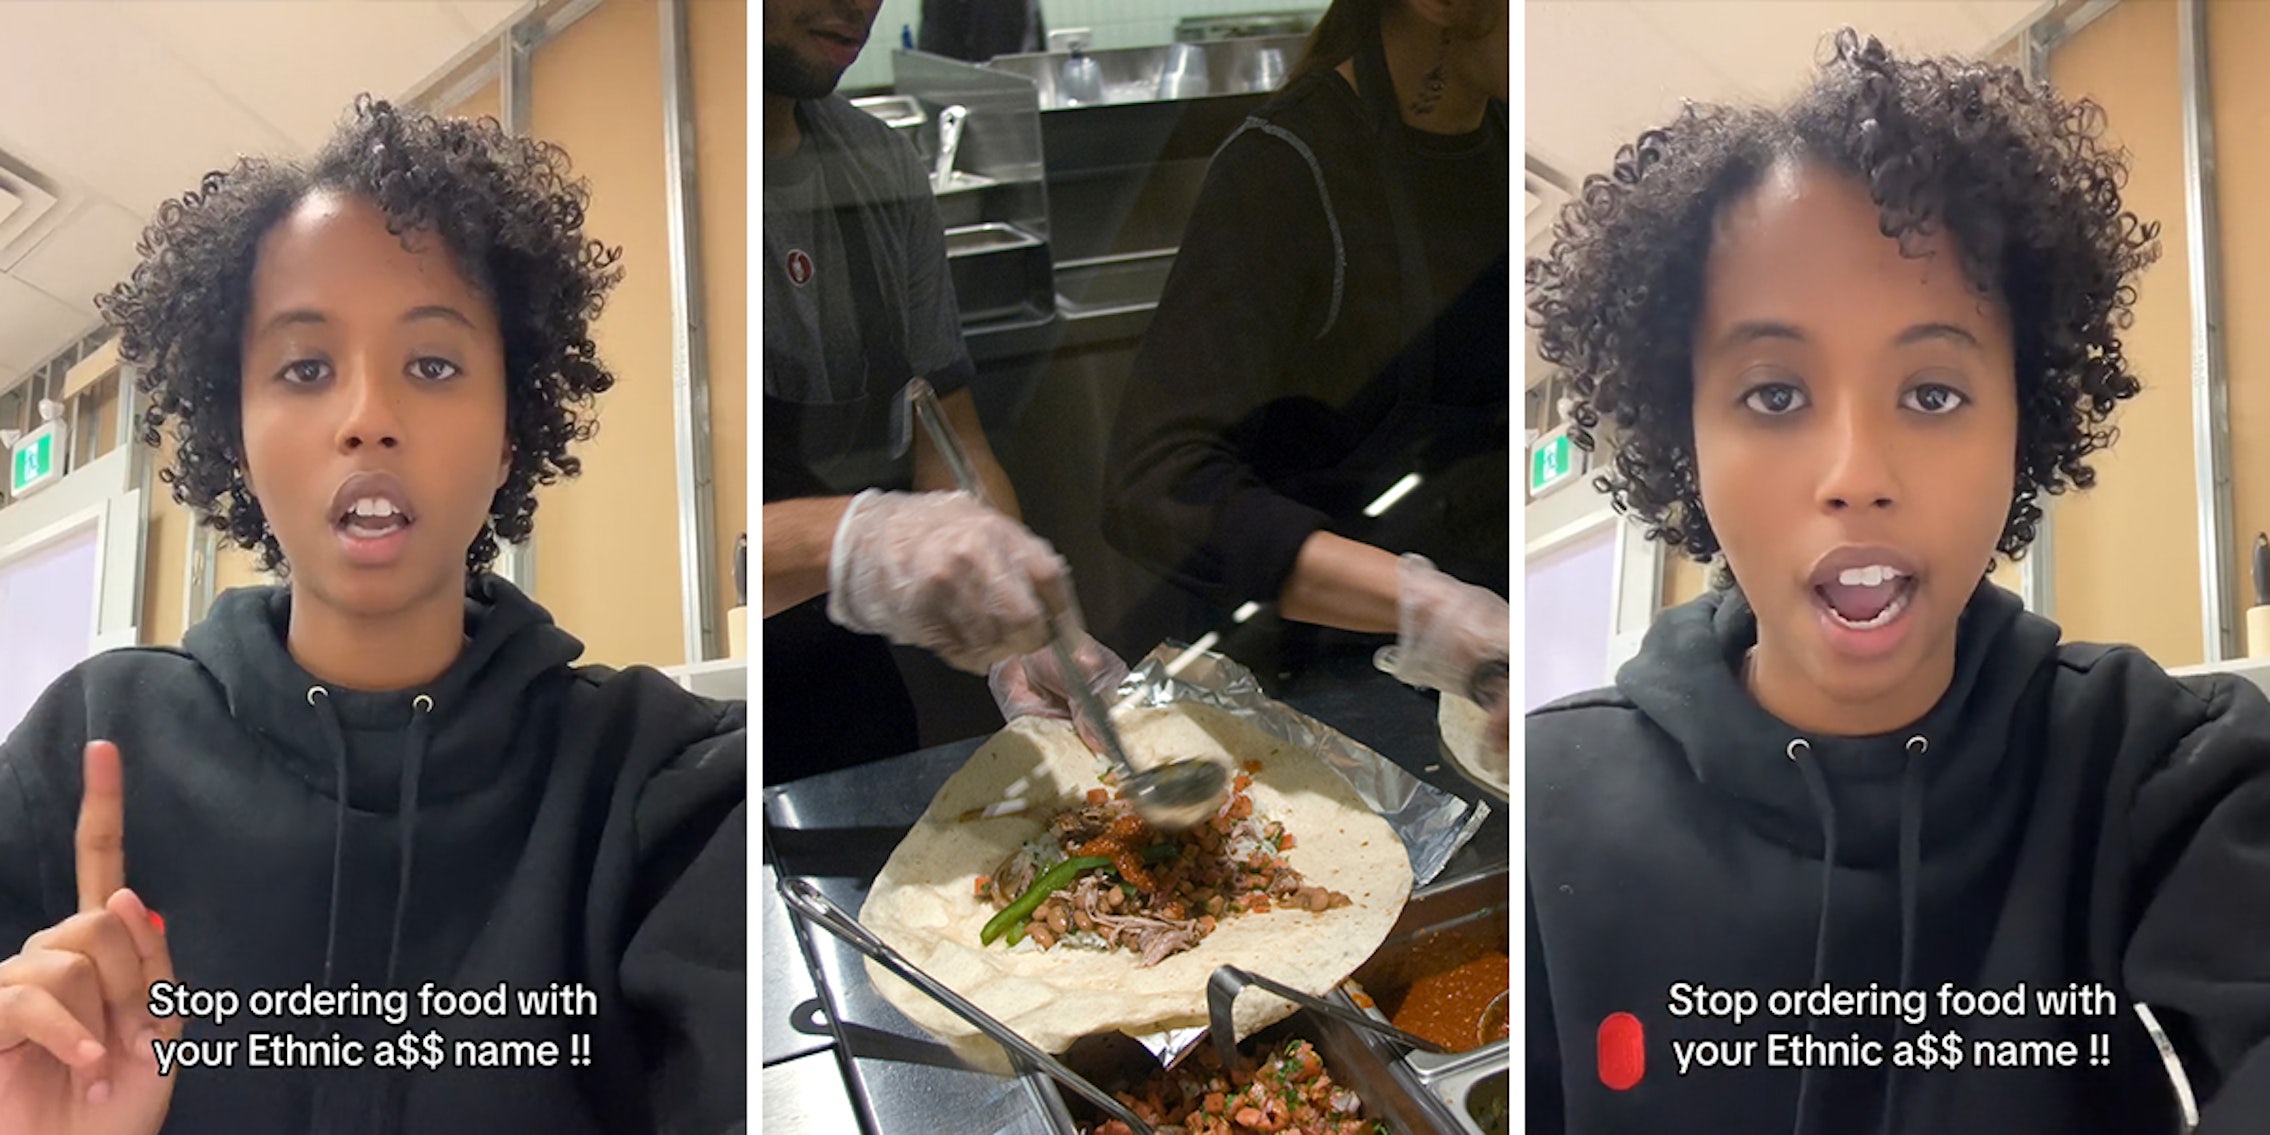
<point>157,921</point>
<point>1623,1052</point>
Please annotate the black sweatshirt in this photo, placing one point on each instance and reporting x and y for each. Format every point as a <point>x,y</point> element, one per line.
<point>2064,815</point>
<point>519,821</point>
<point>1266,401</point>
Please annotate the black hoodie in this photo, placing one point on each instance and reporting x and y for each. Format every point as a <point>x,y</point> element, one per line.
<point>2064,815</point>
<point>519,821</point>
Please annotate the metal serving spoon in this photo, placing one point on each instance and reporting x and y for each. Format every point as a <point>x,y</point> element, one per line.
<point>1170,796</point>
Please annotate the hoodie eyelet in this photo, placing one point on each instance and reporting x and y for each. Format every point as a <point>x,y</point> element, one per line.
<point>422,704</point>
<point>312,691</point>
<point>1798,747</point>
<point>1918,745</point>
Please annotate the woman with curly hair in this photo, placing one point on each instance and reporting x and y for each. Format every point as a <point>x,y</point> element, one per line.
<point>384,779</point>
<point>1847,345</point>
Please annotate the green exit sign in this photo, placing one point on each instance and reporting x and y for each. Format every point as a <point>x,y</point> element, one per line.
<point>1553,459</point>
<point>32,463</point>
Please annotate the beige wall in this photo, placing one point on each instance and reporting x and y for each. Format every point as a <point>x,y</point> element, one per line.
<point>1683,578</point>
<point>719,31</point>
<point>2127,563</point>
<point>607,543</point>
<point>2237,29</point>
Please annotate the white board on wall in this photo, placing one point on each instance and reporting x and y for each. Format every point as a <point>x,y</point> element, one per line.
<point>48,604</point>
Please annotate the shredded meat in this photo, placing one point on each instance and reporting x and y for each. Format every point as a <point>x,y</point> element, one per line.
<point>1082,824</point>
<point>1155,938</point>
<point>1088,897</point>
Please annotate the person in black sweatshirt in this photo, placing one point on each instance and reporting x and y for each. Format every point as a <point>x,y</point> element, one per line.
<point>1848,345</point>
<point>385,778</point>
<point>1337,325</point>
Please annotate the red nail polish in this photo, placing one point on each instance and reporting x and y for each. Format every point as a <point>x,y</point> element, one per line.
<point>156,920</point>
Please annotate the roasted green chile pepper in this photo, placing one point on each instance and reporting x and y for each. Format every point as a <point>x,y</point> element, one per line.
<point>1051,881</point>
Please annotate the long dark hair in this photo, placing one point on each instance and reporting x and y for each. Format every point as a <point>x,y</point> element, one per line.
<point>1342,31</point>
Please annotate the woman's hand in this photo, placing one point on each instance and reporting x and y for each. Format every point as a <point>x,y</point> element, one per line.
<point>77,1043</point>
<point>1453,637</point>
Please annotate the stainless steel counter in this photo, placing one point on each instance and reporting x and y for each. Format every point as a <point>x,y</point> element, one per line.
<point>837,830</point>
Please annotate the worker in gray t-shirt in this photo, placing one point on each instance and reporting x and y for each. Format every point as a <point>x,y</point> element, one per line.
<point>865,539</point>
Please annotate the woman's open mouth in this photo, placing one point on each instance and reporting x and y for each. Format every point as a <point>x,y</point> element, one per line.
<point>372,519</point>
<point>1867,598</point>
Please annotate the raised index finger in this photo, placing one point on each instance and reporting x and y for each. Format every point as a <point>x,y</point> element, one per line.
<point>101,842</point>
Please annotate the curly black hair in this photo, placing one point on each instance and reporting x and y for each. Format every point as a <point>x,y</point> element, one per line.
<point>2018,177</point>
<point>511,214</point>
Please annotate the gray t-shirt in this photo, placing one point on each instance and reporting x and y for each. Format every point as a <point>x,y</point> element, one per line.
<point>820,346</point>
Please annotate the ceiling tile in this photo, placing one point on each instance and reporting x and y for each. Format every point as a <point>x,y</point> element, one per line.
<point>85,256</point>
<point>33,326</point>
<point>314,56</point>
<point>1598,73</point>
<point>98,102</point>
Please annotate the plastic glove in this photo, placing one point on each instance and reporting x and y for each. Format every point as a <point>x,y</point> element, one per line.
<point>1450,634</point>
<point>942,572</point>
<point>1033,685</point>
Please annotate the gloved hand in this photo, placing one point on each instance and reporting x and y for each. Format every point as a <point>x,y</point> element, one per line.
<point>1449,631</point>
<point>942,572</point>
<point>1033,685</point>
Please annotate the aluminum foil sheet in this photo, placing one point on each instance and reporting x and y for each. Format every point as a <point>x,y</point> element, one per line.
<point>1433,824</point>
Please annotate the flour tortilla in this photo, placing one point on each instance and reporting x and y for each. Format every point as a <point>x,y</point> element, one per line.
<point>1465,737</point>
<point>925,904</point>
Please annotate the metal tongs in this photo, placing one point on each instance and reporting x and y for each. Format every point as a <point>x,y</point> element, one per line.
<point>1171,796</point>
<point>806,900</point>
<point>1228,981</point>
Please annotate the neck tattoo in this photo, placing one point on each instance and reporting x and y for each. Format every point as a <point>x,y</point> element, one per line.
<point>1431,88</point>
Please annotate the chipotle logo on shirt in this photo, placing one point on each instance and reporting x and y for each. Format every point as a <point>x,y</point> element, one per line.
<point>799,267</point>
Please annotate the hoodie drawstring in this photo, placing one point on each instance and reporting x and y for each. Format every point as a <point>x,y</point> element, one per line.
<point>1910,883</point>
<point>320,698</point>
<point>421,722</point>
<point>421,716</point>
<point>1825,808</point>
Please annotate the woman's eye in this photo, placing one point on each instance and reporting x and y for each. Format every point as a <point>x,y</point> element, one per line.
<point>1933,398</point>
<point>304,371</point>
<point>1775,399</point>
<point>433,369</point>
